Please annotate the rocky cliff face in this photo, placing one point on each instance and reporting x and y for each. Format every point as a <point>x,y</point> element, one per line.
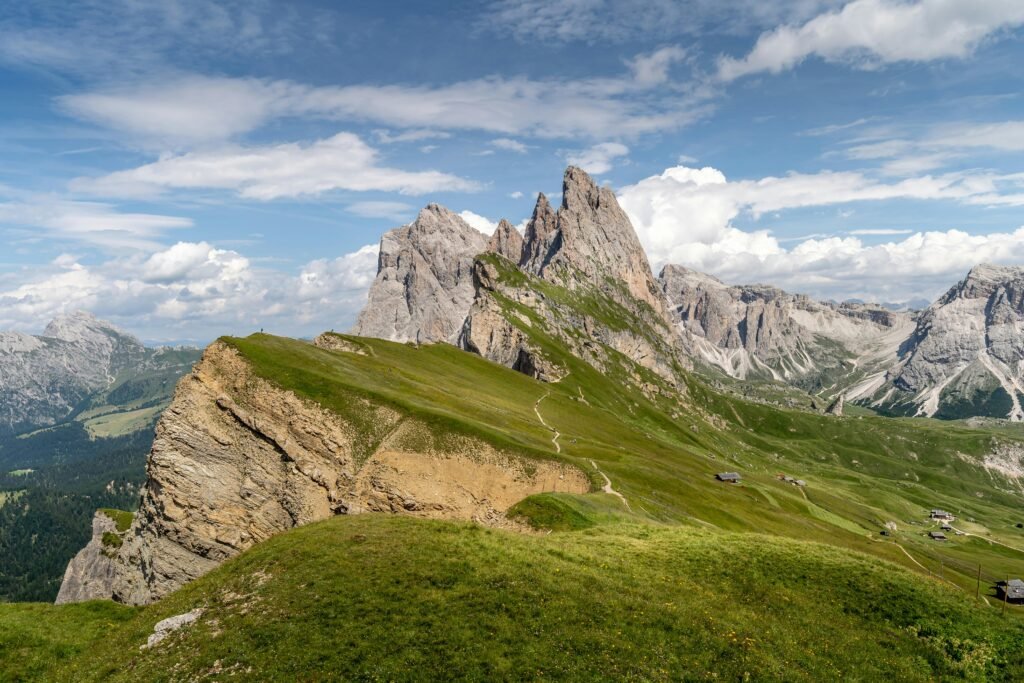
<point>236,460</point>
<point>424,283</point>
<point>966,354</point>
<point>763,332</point>
<point>43,378</point>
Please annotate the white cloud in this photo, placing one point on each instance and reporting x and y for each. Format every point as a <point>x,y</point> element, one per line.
<point>604,21</point>
<point>194,109</point>
<point>516,195</point>
<point>386,137</point>
<point>194,290</point>
<point>686,216</point>
<point>599,158</point>
<point>341,162</point>
<point>652,69</point>
<point>880,231</point>
<point>395,211</point>
<point>91,223</point>
<point>1007,136</point>
<point>510,145</point>
<point>907,152</point>
<point>870,32</point>
<point>481,223</point>
<point>109,39</point>
<point>190,110</point>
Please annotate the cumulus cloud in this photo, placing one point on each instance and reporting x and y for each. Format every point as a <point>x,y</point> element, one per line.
<point>871,32</point>
<point>341,162</point>
<point>481,223</point>
<point>193,109</point>
<point>686,216</point>
<point>598,159</point>
<point>197,291</point>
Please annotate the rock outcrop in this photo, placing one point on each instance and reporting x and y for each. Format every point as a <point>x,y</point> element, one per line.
<point>236,460</point>
<point>424,283</point>
<point>506,241</point>
<point>966,354</point>
<point>90,574</point>
<point>540,237</point>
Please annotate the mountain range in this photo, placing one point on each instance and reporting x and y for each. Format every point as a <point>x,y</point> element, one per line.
<point>512,465</point>
<point>960,357</point>
<point>81,364</point>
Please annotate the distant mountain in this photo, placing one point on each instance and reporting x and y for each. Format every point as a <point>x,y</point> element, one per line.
<point>760,332</point>
<point>965,356</point>
<point>73,365</point>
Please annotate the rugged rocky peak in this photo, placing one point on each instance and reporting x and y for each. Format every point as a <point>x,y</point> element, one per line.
<point>506,241</point>
<point>594,236</point>
<point>754,318</point>
<point>80,326</point>
<point>757,330</point>
<point>541,232</point>
<point>964,357</point>
<point>424,283</point>
<point>983,281</point>
<point>42,378</point>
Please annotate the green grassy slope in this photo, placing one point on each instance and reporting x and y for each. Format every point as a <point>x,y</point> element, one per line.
<point>862,472</point>
<point>386,598</point>
<point>695,576</point>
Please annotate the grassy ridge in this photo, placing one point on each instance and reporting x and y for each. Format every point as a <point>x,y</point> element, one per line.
<point>862,471</point>
<point>386,598</point>
<point>696,579</point>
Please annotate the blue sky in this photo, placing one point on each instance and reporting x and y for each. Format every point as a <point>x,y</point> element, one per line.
<point>189,168</point>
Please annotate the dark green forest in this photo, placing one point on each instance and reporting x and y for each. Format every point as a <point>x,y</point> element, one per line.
<point>49,516</point>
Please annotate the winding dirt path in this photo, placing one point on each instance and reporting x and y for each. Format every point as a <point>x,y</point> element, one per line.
<point>607,488</point>
<point>990,540</point>
<point>555,432</point>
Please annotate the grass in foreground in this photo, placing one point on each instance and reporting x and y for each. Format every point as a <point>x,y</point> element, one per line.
<point>392,598</point>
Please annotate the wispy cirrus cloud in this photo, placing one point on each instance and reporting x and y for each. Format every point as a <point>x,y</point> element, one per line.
<point>341,162</point>
<point>202,109</point>
<point>616,21</point>
<point>35,217</point>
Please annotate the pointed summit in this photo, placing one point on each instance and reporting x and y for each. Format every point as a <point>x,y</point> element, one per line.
<point>540,233</point>
<point>506,241</point>
<point>424,283</point>
<point>595,237</point>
